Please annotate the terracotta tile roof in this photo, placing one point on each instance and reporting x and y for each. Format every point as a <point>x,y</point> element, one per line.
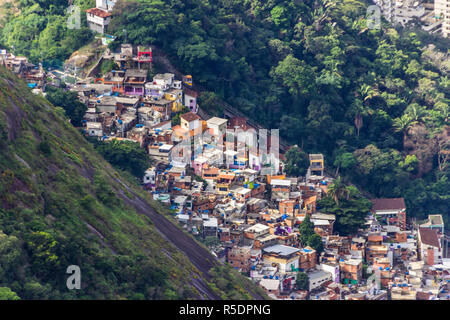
<point>98,12</point>
<point>429,236</point>
<point>191,93</point>
<point>190,116</point>
<point>388,204</point>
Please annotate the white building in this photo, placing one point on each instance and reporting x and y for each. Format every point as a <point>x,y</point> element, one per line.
<point>406,10</point>
<point>429,247</point>
<point>333,269</point>
<point>98,19</point>
<point>164,80</point>
<point>403,11</point>
<point>257,230</point>
<point>217,125</point>
<point>190,121</point>
<point>190,99</point>
<point>106,5</point>
<point>150,177</point>
<point>94,129</point>
<point>442,11</point>
<point>285,257</point>
<point>318,278</point>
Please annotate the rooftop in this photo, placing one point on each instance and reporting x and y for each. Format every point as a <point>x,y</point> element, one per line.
<point>127,100</point>
<point>141,73</point>
<point>164,76</point>
<point>281,250</point>
<point>388,204</point>
<point>211,222</point>
<point>190,116</point>
<point>279,182</point>
<point>216,121</point>
<point>98,12</point>
<point>318,274</point>
<point>429,237</point>
<point>270,284</point>
<point>257,228</point>
<point>316,156</point>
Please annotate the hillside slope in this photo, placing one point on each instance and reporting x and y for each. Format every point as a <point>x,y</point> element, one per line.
<point>62,204</point>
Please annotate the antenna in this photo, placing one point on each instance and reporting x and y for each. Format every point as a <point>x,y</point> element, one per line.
<point>125,38</point>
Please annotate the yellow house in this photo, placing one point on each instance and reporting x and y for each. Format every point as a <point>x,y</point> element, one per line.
<point>176,96</point>
<point>316,164</point>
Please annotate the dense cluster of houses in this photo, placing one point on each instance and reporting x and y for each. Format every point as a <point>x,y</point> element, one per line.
<point>433,16</point>
<point>227,185</point>
<point>34,75</point>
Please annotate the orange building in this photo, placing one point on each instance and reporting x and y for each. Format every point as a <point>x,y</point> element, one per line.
<point>307,258</point>
<point>351,270</point>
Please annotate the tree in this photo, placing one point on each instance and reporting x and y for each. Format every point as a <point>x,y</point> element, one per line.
<point>45,148</point>
<point>308,237</point>
<point>68,100</point>
<point>337,190</point>
<point>10,255</point>
<point>124,155</point>
<point>403,124</point>
<point>344,161</point>
<point>306,230</point>
<point>7,294</point>
<point>176,120</point>
<point>350,213</point>
<point>297,162</point>
<point>302,281</point>
<point>367,93</point>
<point>279,16</point>
<point>296,75</point>
<point>315,242</point>
<point>43,248</point>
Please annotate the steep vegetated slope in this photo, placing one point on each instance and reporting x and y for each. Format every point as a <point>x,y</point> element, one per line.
<point>62,204</point>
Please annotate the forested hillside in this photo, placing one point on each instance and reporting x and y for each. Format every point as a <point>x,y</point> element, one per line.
<point>38,29</point>
<point>62,204</point>
<point>375,102</point>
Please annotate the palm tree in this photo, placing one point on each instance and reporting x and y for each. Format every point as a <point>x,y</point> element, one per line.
<point>338,191</point>
<point>367,93</point>
<point>404,124</point>
<point>415,112</point>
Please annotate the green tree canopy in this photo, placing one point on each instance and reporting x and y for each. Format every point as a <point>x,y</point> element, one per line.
<point>7,294</point>
<point>297,162</point>
<point>68,100</point>
<point>302,281</point>
<point>350,212</point>
<point>306,230</point>
<point>125,155</point>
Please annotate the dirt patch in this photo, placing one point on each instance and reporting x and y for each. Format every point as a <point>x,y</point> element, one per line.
<point>418,143</point>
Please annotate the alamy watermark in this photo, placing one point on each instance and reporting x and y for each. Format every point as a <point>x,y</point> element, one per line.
<point>373,17</point>
<point>74,19</point>
<point>74,281</point>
